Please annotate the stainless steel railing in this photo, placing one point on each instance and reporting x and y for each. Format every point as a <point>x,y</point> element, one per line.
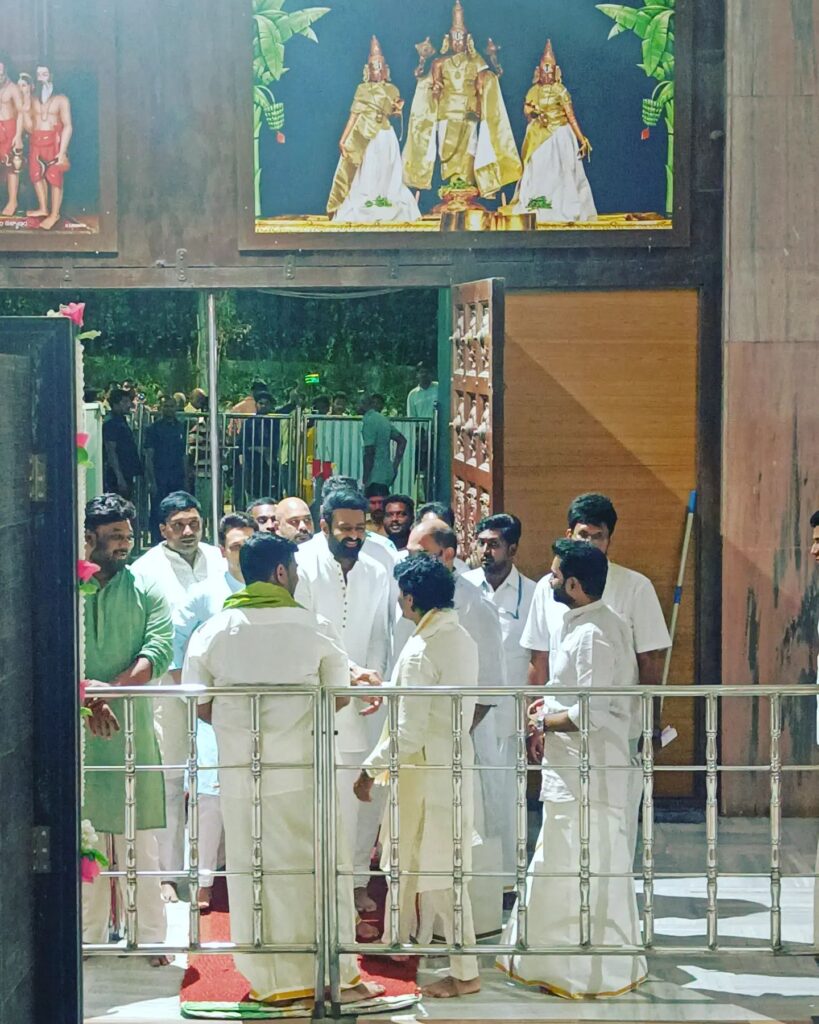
<point>327,945</point>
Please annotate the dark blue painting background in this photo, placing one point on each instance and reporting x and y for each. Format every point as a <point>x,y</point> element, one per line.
<point>626,173</point>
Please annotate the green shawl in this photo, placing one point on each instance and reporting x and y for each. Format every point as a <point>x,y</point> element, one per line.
<point>262,595</point>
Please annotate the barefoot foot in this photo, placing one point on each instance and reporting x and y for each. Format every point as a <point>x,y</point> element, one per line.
<point>366,932</point>
<point>9,209</point>
<point>363,903</point>
<point>364,990</point>
<point>168,892</point>
<point>37,213</point>
<point>50,221</point>
<point>205,896</point>
<point>449,988</point>
<point>159,961</point>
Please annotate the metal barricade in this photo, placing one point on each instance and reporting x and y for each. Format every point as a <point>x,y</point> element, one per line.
<point>327,945</point>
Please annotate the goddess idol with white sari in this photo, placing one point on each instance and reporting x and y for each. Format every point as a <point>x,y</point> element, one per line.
<point>368,185</point>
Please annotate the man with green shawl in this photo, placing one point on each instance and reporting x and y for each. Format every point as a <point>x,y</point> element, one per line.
<point>128,642</point>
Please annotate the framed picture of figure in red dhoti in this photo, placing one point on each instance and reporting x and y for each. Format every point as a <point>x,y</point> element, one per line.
<point>381,123</point>
<point>58,141</point>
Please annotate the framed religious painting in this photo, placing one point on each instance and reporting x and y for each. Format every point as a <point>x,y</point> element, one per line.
<point>58,139</point>
<point>373,123</point>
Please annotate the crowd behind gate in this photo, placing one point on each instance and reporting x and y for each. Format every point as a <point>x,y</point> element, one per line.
<point>374,592</point>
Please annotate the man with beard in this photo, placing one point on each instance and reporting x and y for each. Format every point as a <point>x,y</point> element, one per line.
<point>48,146</point>
<point>205,600</point>
<point>127,643</point>
<point>399,511</point>
<point>376,494</point>
<point>511,593</point>
<point>11,134</point>
<point>263,510</point>
<point>265,640</point>
<point>173,567</point>
<point>594,651</point>
<point>294,521</point>
<point>351,590</point>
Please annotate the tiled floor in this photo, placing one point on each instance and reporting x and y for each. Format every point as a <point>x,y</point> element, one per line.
<point>741,987</point>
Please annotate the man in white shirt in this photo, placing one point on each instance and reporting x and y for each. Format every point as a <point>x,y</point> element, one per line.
<point>294,520</point>
<point>511,593</point>
<point>377,437</point>
<point>351,590</point>
<point>438,510</point>
<point>594,651</point>
<point>592,518</point>
<point>174,566</point>
<point>205,600</point>
<point>264,639</point>
<point>421,401</point>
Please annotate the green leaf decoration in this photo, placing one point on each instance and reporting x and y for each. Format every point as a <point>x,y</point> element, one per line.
<point>83,458</point>
<point>539,203</point>
<point>86,588</point>
<point>654,43</point>
<point>88,335</point>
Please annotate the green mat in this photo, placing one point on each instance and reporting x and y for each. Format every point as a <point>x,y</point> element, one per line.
<point>261,1011</point>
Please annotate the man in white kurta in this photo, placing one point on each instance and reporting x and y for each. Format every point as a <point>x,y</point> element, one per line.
<point>264,639</point>
<point>439,653</point>
<point>594,651</point>
<point>500,582</point>
<point>342,584</point>
<point>175,565</point>
<point>592,518</point>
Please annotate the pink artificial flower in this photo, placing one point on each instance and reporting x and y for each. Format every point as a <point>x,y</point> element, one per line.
<point>645,134</point>
<point>83,685</point>
<point>89,869</point>
<point>82,440</point>
<point>280,138</point>
<point>74,311</point>
<point>86,570</point>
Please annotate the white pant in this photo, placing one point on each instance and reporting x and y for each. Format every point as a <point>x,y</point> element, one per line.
<point>171,839</point>
<point>436,906</point>
<point>96,896</point>
<point>211,846</point>
<point>634,798</point>
<point>359,821</point>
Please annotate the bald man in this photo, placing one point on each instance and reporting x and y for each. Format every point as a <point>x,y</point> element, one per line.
<point>294,520</point>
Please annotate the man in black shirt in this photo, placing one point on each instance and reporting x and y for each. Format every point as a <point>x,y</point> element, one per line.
<point>121,457</point>
<point>165,447</point>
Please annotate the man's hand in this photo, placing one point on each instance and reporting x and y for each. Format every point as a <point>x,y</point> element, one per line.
<point>362,787</point>
<point>534,744</point>
<point>103,722</point>
<point>367,677</point>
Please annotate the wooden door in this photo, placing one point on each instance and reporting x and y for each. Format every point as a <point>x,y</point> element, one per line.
<point>476,413</point>
<point>39,704</point>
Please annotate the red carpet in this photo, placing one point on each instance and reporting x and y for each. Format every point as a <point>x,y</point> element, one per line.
<point>215,978</point>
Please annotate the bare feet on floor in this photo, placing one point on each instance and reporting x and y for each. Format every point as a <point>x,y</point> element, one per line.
<point>48,223</point>
<point>205,896</point>
<point>366,932</point>
<point>364,990</point>
<point>159,961</point>
<point>9,209</point>
<point>169,894</point>
<point>449,988</point>
<point>363,903</point>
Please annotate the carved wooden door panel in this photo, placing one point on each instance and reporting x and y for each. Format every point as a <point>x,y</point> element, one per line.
<point>476,414</point>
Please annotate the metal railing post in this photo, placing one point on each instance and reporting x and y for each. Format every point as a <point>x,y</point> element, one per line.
<point>193,820</point>
<point>457,822</point>
<point>521,820</point>
<point>776,823</point>
<point>395,822</point>
<point>256,856</point>
<point>711,812</point>
<point>213,420</point>
<point>585,824</point>
<point>131,922</point>
<point>648,820</point>
<point>331,855</point>
<point>321,888</point>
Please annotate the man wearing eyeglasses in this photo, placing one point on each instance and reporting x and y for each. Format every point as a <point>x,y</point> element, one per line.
<point>178,562</point>
<point>500,582</point>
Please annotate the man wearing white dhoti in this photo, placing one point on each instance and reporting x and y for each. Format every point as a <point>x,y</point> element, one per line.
<point>553,185</point>
<point>592,518</point>
<point>173,567</point>
<point>595,651</point>
<point>369,182</point>
<point>439,653</point>
<point>500,582</point>
<point>342,584</point>
<point>264,639</point>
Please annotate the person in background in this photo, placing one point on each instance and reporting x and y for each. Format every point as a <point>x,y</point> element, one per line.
<point>247,406</point>
<point>377,437</point>
<point>421,401</point>
<point>399,511</point>
<point>122,464</point>
<point>340,404</point>
<point>198,401</point>
<point>294,521</point>
<point>319,450</point>
<point>258,443</point>
<point>438,510</point>
<point>375,495</point>
<point>181,400</point>
<point>263,510</point>
<point>165,448</point>
<point>174,567</point>
<point>199,452</point>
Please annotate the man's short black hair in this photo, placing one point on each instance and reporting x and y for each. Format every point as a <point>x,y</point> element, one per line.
<point>261,555</point>
<point>260,501</point>
<point>376,491</point>
<point>339,483</point>
<point>108,508</point>
<point>177,501</point>
<point>236,521</point>
<point>339,499</point>
<point>257,385</point>
<point>442,511</point>
<point>593,509</point>
<point>585,562</point>
<point>116,395</point>
<point>263,396</point>
<point>427,581</point>
<point>507,525</point>
<point>814,520</point>
<point>401,499</point>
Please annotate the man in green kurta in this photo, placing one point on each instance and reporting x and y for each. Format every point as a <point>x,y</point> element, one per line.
<point>128,642</point>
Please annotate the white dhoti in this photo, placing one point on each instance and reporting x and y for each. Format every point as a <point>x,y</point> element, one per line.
<point>170,715</point>
<point>378,193</point>
<point>96,895</point>
<point>554,907</point>
<point>288,901</point>
<point>555,172</point>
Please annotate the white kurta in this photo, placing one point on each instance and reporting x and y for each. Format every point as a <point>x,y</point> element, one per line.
<point>380,177</point>
<point>266,648</point>
<point>439,653</point>
<point>595,650</point>
<point>513,598</point>
<point>556,171</point>
<point>175,577</point>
